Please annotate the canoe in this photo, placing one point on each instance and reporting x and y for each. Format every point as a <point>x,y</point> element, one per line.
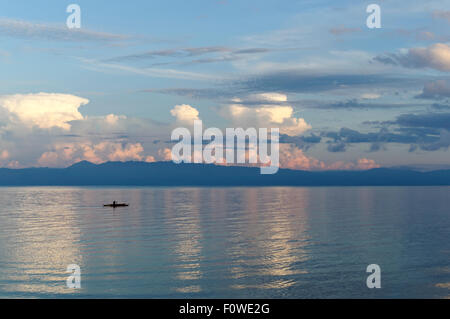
<point>115,205</point>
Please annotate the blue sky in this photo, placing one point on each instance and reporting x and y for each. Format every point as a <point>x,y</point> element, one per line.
<point>344,96</point>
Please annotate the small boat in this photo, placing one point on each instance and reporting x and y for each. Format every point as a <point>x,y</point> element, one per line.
<point>114,205</point>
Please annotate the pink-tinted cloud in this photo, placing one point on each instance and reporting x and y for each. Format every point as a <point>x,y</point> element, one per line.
<point>294,158</point>
<point>67,154</point>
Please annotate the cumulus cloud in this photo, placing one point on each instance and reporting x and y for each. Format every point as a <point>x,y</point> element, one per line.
<point>113,119</point>
<point>436,56</point>
<point>185,114</point>
<point>5,159</point>
<point>44,110</point>
<point>294,158</point>
<point>165,154</point>
<point>69,153</point>
<point>4,155</point>
<point>48,129</point>
<point>265,110</point>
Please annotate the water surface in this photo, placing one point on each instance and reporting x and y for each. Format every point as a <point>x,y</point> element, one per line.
<point>274,242</point>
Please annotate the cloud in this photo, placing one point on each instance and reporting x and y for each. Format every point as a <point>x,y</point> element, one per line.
<point>440,14</point>
<point>439,106</point>
<point>113,119</point>
<point>406,134</point>
<point>44,110</point>
<point>337,147</point>
<point>265,111</point>
<point>436,56</point>
<point>355,104</point>
<point>165,154</point>
<point>185,114</point>
<point>435,90</point>
<point>173,53</point>
<point>41,31</point>
<point>427,131</point>
<point>340,30</point>
<point>5,160</point>
<point>150,72</point>
<point>370,96</point>
<point>48,129</point>
<point>303,142</point>
<point>4,155</point>
<point>442,143</point>
<point>361,164</point>
<point>427,120</point>
<point>298,81</point>
<point>294,158</point>
<point>346,135</point>
<point>66,154</point>
<point>184,56</point>
<point>197,93</point>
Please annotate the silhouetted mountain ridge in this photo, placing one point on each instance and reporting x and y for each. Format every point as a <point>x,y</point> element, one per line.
<point>169,174</point>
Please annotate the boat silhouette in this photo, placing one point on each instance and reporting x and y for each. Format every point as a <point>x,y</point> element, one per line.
<point>115,204</point>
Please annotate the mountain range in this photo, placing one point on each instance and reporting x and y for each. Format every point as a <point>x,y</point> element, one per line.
<point>170,174</point>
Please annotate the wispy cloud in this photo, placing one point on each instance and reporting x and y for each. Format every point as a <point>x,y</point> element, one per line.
<point>173,53</point>
<point>356,104</point>
<point>441,14</point>
<point>185,56</point>
<point>53,32</point>
<point>341,30</point>
<point>151,72</point>
<point>296,81</point>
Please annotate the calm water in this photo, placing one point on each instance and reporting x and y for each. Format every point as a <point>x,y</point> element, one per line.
<point>226,242</point>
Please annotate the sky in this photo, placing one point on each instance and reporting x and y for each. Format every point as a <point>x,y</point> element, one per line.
<point>344,96</point>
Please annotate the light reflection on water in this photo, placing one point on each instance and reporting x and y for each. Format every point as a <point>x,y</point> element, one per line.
<point>225,242</point>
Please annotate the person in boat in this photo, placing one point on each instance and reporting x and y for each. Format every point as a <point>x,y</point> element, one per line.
<point>114,203</point>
